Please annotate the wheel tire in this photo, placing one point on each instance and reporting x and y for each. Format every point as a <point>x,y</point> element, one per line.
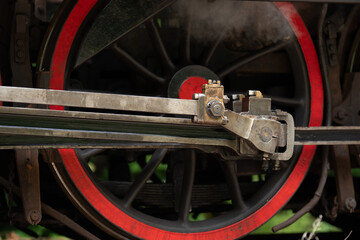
<point>88,196</point>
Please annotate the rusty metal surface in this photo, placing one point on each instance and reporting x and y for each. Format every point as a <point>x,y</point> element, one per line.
<point>346,113</point>
<point>344,181</point>
<point>341,161</point>
<point>20,45</point>
<point>28,172</point>
<point>210,104</point>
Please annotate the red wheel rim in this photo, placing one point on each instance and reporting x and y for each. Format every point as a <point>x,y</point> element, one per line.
<point>132,226</point>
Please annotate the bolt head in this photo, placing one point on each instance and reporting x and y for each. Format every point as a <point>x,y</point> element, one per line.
<point>29,165</point>
<point>350,204</point>
<point>20,43</point>
<point>266,134</point>
<point>20,54</point>
<point>235,97</point>
<point>225,120</point>
<point>254,93</point>
<point>35,216</point>
<point>215,108</point>
<point>341,114</point>
<point>251,93</point>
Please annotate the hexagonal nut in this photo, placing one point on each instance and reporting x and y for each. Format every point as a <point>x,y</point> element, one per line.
<point>215,108</point>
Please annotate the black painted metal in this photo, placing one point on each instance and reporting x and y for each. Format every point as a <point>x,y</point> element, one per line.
<point>327,136</point>
<point>257,200</point>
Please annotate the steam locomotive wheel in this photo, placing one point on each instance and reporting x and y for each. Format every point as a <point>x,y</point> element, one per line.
<point>119,216</point>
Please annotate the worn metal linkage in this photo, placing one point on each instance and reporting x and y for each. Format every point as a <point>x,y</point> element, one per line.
<point>256,131</point>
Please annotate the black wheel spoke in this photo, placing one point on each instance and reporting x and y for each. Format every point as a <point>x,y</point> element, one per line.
<point>244,60</point>
<point>85,154</point>
<point>118,14</point>
<point>187,185</point>
<point>286,102</point>
<point>136,66</point>
<point>158,44</point>
<point>209,52</point>
<point>185,43</point>
<point>149,169</point>
<point>230,172</point>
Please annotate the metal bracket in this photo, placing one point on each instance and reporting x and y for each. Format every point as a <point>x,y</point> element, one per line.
<point>20,53</point>
<point>28,171</point>
<point>286,117</point>
<point>331,45</point>
<point>259,126</point>
<point>210,104</point>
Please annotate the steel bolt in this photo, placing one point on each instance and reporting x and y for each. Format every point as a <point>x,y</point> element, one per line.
<point>29,165</point>
<point>20,54</point>
<point>254,93</point>
<point>215,108</point>
<point>276,166</point>
<point>265,134</point>
<point>196,96</point>
<point>350,204</point>
<point>20,43</point>
<point>235,97</point>
<point>265,164</point>
<point>35,216</point>
<point>251,93</point>
<point>341,114</point>
<point>225,120</point>
<point>226,99</point>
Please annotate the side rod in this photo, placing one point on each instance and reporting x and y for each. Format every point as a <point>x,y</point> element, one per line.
<point>41,128</point>
<point>98,100</point>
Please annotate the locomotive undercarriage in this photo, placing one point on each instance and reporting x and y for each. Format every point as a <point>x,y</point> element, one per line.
<point>196,156</point>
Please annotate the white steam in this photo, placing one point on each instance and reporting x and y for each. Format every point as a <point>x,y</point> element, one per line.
<point>254,23</point>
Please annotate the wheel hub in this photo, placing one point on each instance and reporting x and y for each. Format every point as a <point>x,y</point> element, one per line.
<point>189,80</point>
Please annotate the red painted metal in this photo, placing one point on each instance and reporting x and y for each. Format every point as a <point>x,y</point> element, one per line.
<point>190,86</point>
<point>134,227</point>
<point>64,43</point>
